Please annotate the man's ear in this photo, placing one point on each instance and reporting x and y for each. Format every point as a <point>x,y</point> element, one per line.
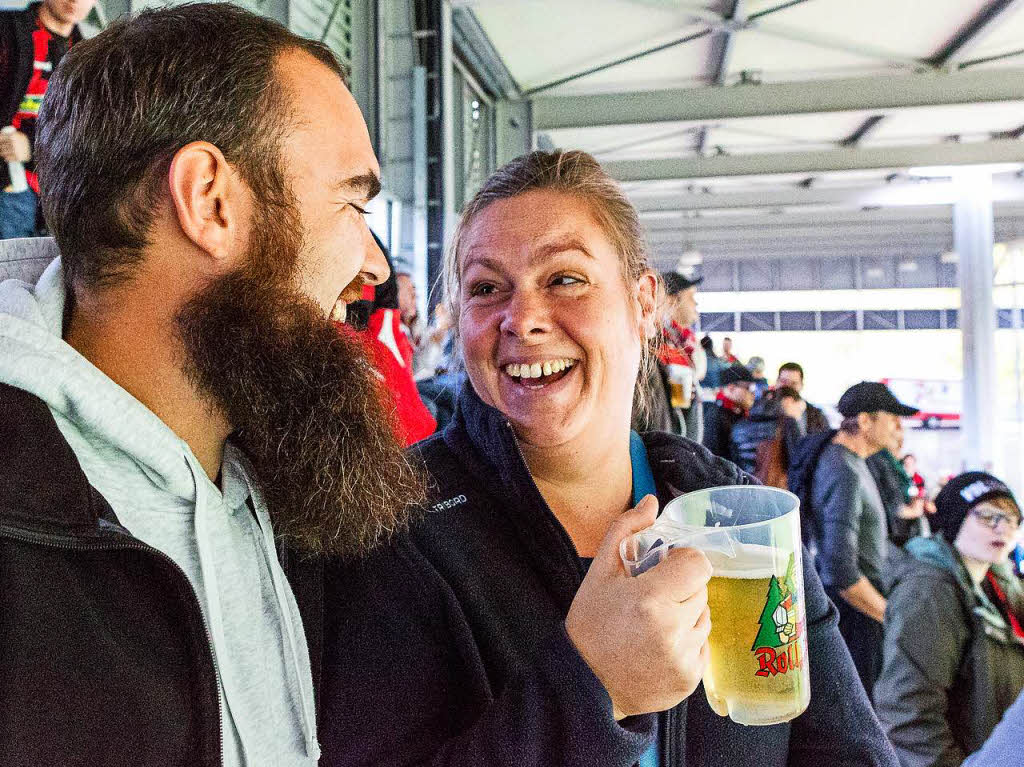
<point>646,302</point>
<point>206,202</point>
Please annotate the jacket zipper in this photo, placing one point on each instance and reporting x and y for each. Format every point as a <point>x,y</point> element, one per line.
<point>41,539</point>
<point>665,751</point>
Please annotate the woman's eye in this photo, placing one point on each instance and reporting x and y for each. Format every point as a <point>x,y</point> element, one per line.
<point>566,279</point>
<point>482,289</point>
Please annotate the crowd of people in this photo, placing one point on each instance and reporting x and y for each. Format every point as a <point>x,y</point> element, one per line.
<point>929,598</point>
<point>256,512</point>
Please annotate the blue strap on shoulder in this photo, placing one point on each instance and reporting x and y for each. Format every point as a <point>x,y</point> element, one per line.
<point>643,477</point>
<point>643,484</point>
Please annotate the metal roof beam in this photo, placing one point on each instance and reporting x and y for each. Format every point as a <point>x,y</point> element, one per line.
<point>641,54</point>
<point>773,99</point>
<point>891,195</point>
<point>670,251</point>
<point>795,34</point>
<point>724,42</point>
<point>862,130</point>
<point>753,219</point>
<point>671,168</point>
<point>973,32</point>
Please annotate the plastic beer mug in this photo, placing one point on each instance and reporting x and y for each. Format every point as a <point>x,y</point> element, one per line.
<point>758,673</point>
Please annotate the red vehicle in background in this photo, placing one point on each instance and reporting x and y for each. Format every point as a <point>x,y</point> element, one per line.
<point>938,401</point>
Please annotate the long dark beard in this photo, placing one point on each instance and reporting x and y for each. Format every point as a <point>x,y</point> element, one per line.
<point>305,406</point>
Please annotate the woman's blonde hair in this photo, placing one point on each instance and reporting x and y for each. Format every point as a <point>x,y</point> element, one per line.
<point>574,173</point>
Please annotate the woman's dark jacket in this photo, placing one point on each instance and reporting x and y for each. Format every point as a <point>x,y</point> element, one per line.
<point>450,647</point>
<point>950,668</point>
<point>104,656</point>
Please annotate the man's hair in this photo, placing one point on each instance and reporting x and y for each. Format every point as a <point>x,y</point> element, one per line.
<point>793,367</point>
<point>850,425</point>
<point>123,103</point>
<point>783,392</point>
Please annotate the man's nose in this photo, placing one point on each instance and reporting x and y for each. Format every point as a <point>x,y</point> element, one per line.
<point>375,267</point>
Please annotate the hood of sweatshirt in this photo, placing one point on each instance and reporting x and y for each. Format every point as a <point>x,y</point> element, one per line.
<point>34,357</point>
<point>134,458</point>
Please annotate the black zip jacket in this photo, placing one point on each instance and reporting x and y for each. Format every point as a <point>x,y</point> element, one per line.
<point>449,648</point>
<point>104,656</point>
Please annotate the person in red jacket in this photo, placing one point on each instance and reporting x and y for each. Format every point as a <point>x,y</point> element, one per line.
<point>378,321</point>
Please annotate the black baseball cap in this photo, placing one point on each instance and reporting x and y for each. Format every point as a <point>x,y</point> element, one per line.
<point>961,494</point>
<point>872,397</point>
<point>736,373</point>
<point>677,283</point>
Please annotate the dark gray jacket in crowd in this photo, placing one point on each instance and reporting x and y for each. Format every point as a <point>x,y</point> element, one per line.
<point>849,520</point>
<point>889,478</point>
<point>765,421</point>
<point>952,664</point>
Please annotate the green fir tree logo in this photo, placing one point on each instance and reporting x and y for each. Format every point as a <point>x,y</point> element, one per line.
<point>778,618</point>
<point>768,634</point>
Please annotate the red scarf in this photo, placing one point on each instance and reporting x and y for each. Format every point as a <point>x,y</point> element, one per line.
<point>1018,630</point>
<point>727,403</point>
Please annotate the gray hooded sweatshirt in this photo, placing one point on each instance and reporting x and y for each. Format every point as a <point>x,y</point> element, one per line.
<point>221,538</point>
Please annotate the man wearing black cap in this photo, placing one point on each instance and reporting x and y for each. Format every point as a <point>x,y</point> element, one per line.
<point>731,406</point>
<point>849,520</point>
<point>675,404</point>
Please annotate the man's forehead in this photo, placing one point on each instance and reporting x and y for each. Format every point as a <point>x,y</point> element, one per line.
<point>326,113</point>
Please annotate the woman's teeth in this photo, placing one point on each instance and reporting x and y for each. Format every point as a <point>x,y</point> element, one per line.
<point>538,369</point>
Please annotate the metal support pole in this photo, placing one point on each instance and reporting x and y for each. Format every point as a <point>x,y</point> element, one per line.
<point>973,236</point>
<point>419,183</point>
<point>447,123</point>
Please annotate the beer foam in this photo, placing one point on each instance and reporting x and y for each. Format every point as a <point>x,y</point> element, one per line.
<point>751,560</point>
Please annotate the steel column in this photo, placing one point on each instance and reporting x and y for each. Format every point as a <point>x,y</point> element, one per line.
<point>973,233</point>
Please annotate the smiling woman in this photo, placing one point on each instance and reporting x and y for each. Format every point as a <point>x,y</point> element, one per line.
<point>504,629</point>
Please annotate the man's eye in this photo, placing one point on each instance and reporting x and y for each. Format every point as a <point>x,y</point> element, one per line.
<point>482,289</point>
<point>360,211</point>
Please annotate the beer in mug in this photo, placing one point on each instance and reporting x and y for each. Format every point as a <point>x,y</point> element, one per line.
<point>758,671</point>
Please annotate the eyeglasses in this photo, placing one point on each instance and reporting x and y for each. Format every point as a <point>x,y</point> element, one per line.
<point>993,518</point>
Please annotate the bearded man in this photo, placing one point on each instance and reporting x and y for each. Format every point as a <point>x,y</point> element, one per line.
<point>185,434</point>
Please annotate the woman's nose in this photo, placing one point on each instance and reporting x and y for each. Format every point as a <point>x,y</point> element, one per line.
<point>526,315</point>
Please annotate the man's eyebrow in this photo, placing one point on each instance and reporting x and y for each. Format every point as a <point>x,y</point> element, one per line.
<point>366,185</point>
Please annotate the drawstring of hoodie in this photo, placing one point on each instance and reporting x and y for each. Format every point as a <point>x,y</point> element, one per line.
<point>281,589</point>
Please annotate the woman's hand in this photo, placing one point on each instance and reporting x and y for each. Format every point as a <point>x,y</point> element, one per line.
<point>645,638</point>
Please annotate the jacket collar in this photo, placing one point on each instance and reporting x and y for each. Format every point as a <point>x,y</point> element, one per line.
<point>42,487</point>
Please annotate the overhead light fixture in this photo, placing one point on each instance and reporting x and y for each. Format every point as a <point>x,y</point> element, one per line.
<point>950,257</point>
<point>875,273</point>
<point>907,266</point>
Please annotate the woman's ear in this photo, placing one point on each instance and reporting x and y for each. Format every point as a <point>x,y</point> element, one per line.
<point>646,300</point>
